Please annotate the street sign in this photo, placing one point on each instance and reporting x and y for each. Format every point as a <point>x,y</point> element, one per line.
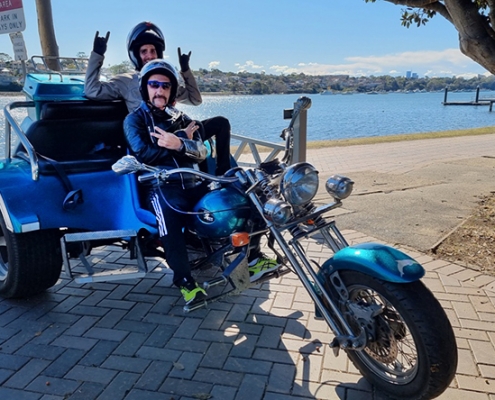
<point>20,53</point>
<point>11,16</point>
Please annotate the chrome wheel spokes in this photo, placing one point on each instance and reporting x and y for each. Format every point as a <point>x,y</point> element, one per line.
<point>391,353</point>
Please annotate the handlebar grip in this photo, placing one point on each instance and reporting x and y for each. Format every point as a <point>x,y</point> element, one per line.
<point>146,177</point>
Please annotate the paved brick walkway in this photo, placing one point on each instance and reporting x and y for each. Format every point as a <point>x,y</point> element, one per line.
<point>131,340</point>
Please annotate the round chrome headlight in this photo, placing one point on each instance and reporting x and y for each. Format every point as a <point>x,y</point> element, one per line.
<point>339,187</point>
<point>299,183</point>
<point>277,211</point>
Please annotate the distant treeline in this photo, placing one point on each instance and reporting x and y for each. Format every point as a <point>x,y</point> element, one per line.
<point>261,83</point>
<point>216,81</point>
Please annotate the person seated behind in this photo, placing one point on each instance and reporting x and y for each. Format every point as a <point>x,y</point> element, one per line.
<point>160,135</point>
<point>146,42</point>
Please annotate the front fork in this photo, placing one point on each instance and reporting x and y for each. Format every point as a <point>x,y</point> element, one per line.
<point>344,334</point>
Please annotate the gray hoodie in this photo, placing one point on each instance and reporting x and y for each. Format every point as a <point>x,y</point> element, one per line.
<point>126,86</point>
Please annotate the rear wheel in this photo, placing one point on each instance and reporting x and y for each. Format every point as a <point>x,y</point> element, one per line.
<point>411,351</point>
<point>29,262</point>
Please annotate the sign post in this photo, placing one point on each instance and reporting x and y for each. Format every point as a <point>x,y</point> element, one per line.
<point>20,53</point>
<point>12,21</point>
<point>11,16</point>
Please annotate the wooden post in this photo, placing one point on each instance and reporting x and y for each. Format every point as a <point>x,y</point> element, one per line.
<point>300,137</point>
<point>445,95</point>
<point>477,94</point>
<point>46,30</point>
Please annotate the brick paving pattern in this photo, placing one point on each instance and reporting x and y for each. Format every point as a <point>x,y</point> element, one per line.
<point>131,340</point>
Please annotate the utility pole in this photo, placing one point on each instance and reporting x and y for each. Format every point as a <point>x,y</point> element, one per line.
<point>49,46</point>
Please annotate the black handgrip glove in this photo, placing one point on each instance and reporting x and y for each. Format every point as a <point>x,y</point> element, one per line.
<point>100,43</point>
<point>184,60</point>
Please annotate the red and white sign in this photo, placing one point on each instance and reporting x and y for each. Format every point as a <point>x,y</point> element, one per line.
<point>11,16</point>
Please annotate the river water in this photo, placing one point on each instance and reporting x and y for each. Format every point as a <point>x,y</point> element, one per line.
<point>339,116</point>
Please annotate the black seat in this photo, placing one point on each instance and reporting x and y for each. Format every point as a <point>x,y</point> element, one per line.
<point>80,136</point>
<point>94,110</point>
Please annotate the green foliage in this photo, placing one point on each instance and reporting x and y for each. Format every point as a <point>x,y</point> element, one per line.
<point>4,57</point>
<point>122,68</point>
<point>418,18</point>
<point>258,87</point>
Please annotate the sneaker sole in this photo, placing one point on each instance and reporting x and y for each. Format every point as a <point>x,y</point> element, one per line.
<point>258,275</point>
<point>199,297</point>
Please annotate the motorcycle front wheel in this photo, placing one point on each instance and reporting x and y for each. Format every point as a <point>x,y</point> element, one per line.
<point>411,351</point>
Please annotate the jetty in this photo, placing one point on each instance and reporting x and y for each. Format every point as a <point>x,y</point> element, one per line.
<point>476,102</point>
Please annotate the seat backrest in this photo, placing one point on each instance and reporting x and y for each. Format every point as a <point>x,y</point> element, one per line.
<point>78,132</point>
<point>94,110</point>
<point>76,139</point>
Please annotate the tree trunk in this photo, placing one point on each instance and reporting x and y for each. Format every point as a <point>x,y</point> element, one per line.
<point>49,46</point>
<point>476,36</point>
<point>476,33</point>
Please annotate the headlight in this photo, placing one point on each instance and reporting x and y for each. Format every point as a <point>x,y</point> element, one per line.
<point>277,211</point>
<point>339,187</point>
<point>300,183</point>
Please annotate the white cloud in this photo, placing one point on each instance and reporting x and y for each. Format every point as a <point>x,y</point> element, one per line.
<point>446,62</point>
<point>284,69</point>
<point>213,64</point>
<point>248,66</point>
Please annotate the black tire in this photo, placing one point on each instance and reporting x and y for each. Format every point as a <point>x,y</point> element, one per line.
<point>413,354</point>
<point>29,262</point>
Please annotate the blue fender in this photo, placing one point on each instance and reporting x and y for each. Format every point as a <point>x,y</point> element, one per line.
<point>376,260</point>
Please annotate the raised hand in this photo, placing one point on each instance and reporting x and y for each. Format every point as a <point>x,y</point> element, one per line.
<point>166,139</point>
<point>184,60</point>
<point>100,43</point>
<point>191,128</point>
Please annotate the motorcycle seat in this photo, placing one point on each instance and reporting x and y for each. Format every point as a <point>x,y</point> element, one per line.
<point>80,136</point>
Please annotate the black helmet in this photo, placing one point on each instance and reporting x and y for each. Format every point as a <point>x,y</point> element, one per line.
<point>144,33</point>
<point>162,67</point>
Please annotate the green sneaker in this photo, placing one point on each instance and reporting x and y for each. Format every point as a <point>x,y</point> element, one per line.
<point>261,266</point>
<point>191,291</point>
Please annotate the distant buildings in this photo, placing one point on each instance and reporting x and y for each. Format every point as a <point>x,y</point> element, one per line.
<point>411,75</point>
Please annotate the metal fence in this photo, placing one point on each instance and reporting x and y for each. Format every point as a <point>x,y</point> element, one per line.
<point>263,151</point>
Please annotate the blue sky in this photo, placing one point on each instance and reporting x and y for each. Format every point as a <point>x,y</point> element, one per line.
<point>314,37</point>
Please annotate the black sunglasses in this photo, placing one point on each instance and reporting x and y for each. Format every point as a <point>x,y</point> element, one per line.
<point>157,84</point>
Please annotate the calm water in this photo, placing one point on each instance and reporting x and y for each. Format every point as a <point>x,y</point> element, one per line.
<point>348,116</point>
<point>339,116</point>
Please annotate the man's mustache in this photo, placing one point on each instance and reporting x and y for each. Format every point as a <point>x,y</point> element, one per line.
<point>159,97</point>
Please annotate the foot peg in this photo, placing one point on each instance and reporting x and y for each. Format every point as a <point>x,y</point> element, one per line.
<point>195,305</point>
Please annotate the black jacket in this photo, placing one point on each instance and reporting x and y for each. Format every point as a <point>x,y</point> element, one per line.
<point>141,122</point>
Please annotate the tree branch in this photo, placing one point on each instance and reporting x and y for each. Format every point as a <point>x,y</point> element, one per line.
<point>476,36</point>
<point>473,20</point>
<point>491,11</point>
<point>432,5</point>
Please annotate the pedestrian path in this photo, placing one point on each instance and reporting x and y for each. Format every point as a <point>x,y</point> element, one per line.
<point>400,157</point>
<point>130,340</point>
